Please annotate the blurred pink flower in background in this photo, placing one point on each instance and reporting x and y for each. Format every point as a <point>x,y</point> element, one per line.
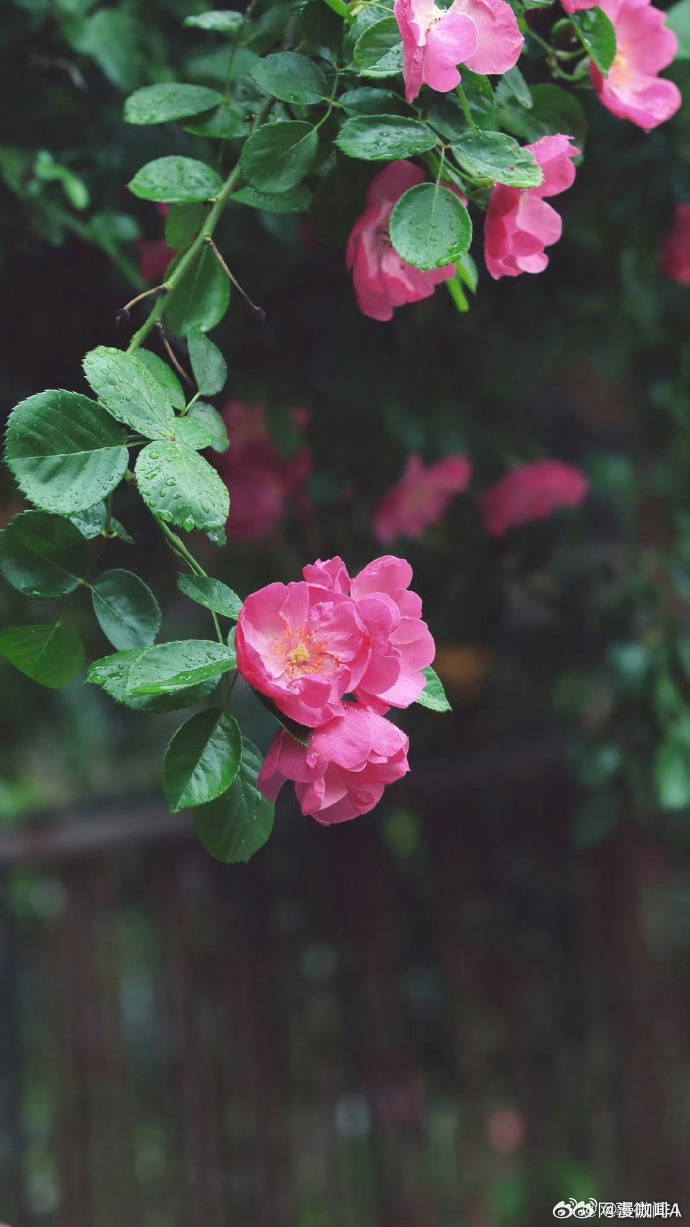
<point>482,34</point>
<point>519,224</point>
<point>531,492</point>
<point>155,254</point>
<point>675,253</point>
<point>382,280</point>
<point>506,1130</point>
<point>632,90</point>
<point>421,497</point>
<point>343,771</point>
<point>259,479</point>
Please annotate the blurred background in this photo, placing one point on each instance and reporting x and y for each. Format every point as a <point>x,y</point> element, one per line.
<point>472,1003</point>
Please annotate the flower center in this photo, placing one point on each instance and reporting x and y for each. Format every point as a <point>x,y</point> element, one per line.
<point>300,652</point>
<point>620,69</point>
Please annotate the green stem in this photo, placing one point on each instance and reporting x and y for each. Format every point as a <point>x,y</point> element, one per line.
<point>178,547</point>
<point>187,409</point>
<point>466,108</point>
<point>235,45</point>
<point>538,39</point>
<point>196,247</point>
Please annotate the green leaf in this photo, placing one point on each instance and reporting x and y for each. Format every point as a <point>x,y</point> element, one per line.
<point>214,423</point>
<point>208,364</point>
<point>516,85</point>
<point>480,98</point>
<point>339,7</point>
<point>226,123</point>
<point>597,35</point>
<point>158,104</point>
<point>201,298</point>
<point>433,695</point>
<point>297,200</point>
<point>202,759</point>
<point>183,223</point>
<point>678,20</point>
<point>169,667</point>
<point>42,555</point>
<point>235,826</point>
<point>113,37</point>
<point>129,391</point>
<point>176,180</point>
<point>381,138</point>
<point>220,22</point>
<point>93,522</point>
<point>211,593</point>
<point>430,227</point>
<point>291,77</point>
<point>193,433</point>
<point>51,655</point>
<point>672,776</point>
<point>112,673</point>
<point>127,611</point>
<point>164,377</point>
<point>65,451</point>
<point>378,51</point>
<point>368,100</point>
<point>493,155</point>
<point>181,487</point>
<point>554,110</point>
<point>277,156</point>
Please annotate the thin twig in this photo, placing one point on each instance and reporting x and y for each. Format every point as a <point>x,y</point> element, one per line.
<point>258,311</point>
<point>173,357</point>
<point>122,315</point>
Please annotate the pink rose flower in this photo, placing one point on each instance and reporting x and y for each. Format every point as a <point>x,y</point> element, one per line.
<point>421,497</point>
<point>632,90</point>
<point>576,6</point>
<point>675,253</point>
<point>382,280</point>
<point>343,771</point>
<point>482,34</point>
<point>302,646</point>
<point>519,224</point>
<point>259,479</point>
<point>400,644</point>
<point>531,492</point>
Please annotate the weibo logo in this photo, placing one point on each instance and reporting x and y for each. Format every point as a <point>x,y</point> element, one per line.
<point>572,1208</point>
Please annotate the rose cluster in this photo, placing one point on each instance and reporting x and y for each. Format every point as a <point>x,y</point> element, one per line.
<point>484,37</point>
<point>335,654</point>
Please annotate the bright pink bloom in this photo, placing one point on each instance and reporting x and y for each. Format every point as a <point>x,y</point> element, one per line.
<point>259,479</point>
<point>304,647</point>
<point>519,224</point>
<point>632,90</point>
<point>400,644</point>
<point>675,253</point>
<point>482,34</point>
<point>382,280</point>
<point>421,497</point>
<point>531,492</point>
<point>343,771</point>
<point>575,6</point>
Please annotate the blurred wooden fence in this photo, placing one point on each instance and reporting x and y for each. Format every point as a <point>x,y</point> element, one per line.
<point>440,1016</point>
